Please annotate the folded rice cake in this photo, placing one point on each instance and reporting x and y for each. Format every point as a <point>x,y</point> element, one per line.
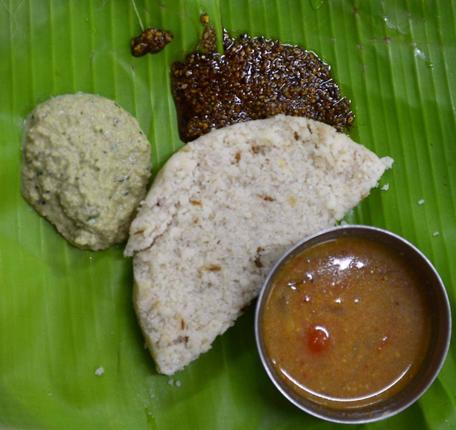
<point>220,213</point>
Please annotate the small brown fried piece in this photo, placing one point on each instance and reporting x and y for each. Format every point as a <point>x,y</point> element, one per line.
<point>151,40</point>
<point>204,18</point>
<point>208,42</point>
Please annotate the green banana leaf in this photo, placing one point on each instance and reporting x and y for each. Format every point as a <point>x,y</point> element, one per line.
<point>65,312</point>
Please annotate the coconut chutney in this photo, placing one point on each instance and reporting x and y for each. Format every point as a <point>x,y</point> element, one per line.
<point>86,166</point>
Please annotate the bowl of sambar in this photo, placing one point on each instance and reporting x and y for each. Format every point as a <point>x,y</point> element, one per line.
<point>353,324</point>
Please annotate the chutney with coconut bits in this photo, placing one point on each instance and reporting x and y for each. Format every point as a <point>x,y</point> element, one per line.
<point>346,323</point>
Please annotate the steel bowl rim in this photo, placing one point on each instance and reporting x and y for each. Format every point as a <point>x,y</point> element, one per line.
<point>264,289</point>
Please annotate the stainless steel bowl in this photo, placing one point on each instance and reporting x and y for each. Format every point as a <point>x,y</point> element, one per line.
<point>440,335</point>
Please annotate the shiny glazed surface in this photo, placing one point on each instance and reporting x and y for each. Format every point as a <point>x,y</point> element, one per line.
<point>346,323</point>
<point>254,78</point>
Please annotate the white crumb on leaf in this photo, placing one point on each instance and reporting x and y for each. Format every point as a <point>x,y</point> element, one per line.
<point>435,234</point>
<point>385,187</point>
<point>100,371</point>
<point>178,383</point>
<point>421,202</point>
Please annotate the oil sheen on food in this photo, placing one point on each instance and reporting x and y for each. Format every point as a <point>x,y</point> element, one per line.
<point>254,78</point>
<point>346,323</point>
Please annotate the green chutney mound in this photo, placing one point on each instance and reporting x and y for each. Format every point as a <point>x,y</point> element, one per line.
<point>86,166</point>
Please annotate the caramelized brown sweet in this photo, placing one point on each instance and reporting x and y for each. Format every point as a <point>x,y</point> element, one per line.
<point>254,78</point>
